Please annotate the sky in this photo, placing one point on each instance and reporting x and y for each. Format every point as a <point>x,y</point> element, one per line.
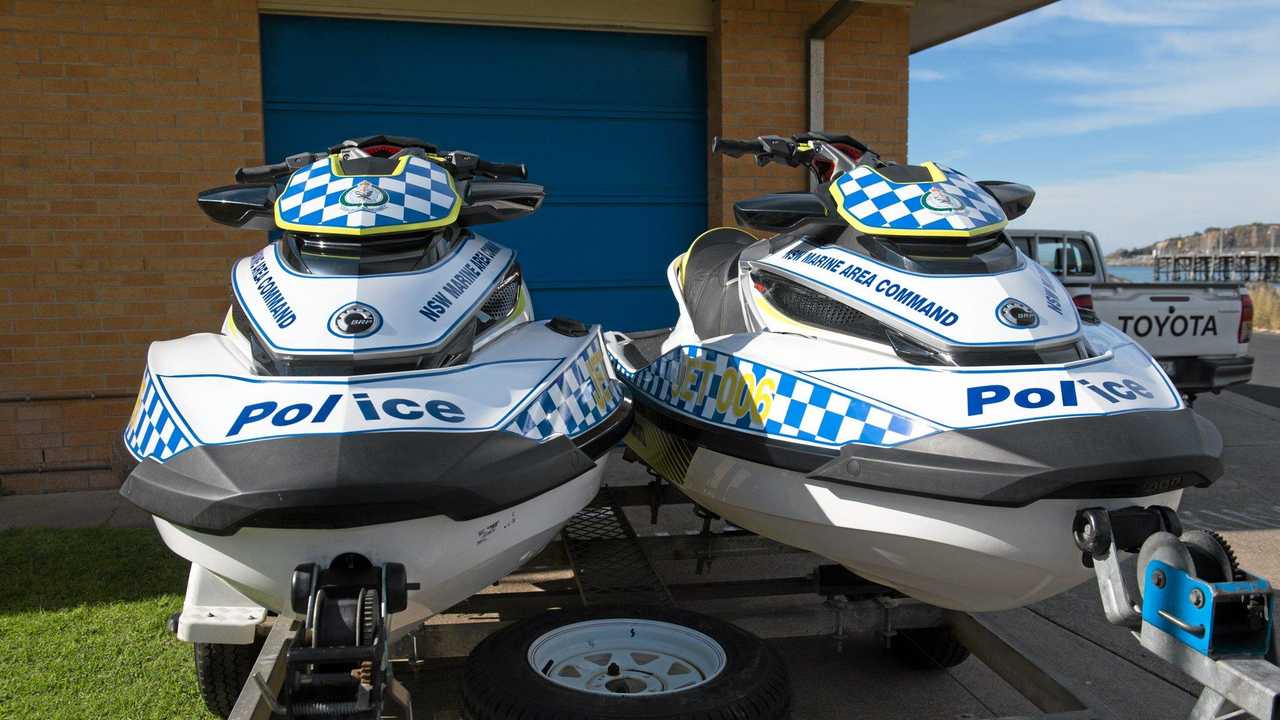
<point>1134,119</point>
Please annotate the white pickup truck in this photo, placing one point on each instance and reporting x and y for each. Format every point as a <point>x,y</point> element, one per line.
<point>1198,331</point>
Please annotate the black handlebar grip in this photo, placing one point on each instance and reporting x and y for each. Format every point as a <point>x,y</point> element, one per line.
<point>735,148</point>
<point>511,170</point>
<point>262,172</point>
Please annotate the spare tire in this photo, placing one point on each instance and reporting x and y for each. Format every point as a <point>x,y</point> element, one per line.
<point>931,648</point>
<point>222,670</point>
<point>624,663</point>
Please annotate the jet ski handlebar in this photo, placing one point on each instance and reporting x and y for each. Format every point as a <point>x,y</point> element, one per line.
<point>735,148</point>
<point>825,155</point>
<point>275,171</point>
<point>765,149</point>
<point>463,165</point>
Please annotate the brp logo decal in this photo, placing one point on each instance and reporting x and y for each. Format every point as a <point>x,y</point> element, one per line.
<point>355,320</point>
<point>940,201</point>
<point>1017,314</point>
<point>363,196</point>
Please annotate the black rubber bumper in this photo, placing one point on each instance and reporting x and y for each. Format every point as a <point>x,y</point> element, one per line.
<point>1196,375</point>
<point>1113,456</point>
<point>340,481</point>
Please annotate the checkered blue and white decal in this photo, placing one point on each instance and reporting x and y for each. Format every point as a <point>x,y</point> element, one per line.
<point>547,384</point>
<point>949,205</point>
<point>153,432</point>
<point>741,394</point>
<point>578,400</point>
<point>418,195</point>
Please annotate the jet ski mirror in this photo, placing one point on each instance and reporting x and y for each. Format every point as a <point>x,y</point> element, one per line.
<point>245,205</point>
<point>777,212</point>
<point>491,201</point>
<point>1014,198</point>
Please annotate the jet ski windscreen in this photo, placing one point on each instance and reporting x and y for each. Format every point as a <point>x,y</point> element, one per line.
<point>327,255</point>
<point>937,256</point>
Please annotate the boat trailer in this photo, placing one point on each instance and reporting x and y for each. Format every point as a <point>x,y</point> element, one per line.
<point>1188,604</point>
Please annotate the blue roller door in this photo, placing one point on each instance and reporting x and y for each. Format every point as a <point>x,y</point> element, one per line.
<point>613,124</point>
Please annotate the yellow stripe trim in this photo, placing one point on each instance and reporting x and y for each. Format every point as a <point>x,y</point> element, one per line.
<point>335,168</point>
<point>137,404</point>
<point>935,175</point>
<point>229,326</point>
<point>775,314</point>
<point>685,257</point>
<point>770,311</point>
<point>385,229</point>
<point>521,302</point>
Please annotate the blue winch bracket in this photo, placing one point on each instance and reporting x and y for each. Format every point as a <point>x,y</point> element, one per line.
<point>1220,634</point>
<point>1225,619</point>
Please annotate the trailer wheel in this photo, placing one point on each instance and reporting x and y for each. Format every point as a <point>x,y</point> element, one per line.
<point>934,648</point>
<point>624,663</point>
<point>222,670</point>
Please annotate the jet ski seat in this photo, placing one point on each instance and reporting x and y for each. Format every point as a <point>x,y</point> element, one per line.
<point>645,347</point>
<point>709,281</point>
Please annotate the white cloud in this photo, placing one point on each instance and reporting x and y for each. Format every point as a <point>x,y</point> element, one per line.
<point>1133,13</point>
<point>1071,74</point>
<point>1034,26</point>
<point>1179,73</point>
<point>1071,21</point>
<point>1015,31</point>
<point>926,75</point>
<point>1139,208</point>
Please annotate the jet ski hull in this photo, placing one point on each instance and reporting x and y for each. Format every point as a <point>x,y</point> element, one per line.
<point>903,392</point>
<point>963,556</point>
<point>454,558</point>
<point>974,518</point>
<point>459,473</point>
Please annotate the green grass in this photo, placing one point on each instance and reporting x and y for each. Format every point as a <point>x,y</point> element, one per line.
<point>82,627</point>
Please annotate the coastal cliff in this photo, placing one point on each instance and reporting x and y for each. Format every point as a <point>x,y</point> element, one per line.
<point>1254,237</point>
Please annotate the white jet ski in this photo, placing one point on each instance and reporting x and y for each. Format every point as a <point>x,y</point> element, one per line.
<point>381,429</point>
<point>887,382</point>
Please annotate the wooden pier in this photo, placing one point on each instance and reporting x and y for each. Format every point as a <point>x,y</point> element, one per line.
<point>1206,267</point>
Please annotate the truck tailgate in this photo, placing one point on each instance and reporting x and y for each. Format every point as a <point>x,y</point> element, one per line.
<point>1174,319</point>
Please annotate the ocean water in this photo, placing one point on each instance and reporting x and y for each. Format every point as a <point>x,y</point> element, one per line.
<point>1132,273</point>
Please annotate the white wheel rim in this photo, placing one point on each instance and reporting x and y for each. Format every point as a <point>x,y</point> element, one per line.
<point>623,657</point>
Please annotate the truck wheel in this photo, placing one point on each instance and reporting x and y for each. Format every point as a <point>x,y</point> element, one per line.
<point>222,670</point>
<point>624,663</point>
<point>934,648</point>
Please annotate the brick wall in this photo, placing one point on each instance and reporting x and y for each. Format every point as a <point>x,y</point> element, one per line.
<point>758,80</point>
<point>112,116</point>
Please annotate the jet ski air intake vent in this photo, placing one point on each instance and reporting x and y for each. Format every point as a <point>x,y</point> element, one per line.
<point>813,308</point>
<point>502,301</point>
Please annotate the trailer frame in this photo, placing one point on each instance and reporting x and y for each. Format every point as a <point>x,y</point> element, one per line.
<point>610,562</point>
